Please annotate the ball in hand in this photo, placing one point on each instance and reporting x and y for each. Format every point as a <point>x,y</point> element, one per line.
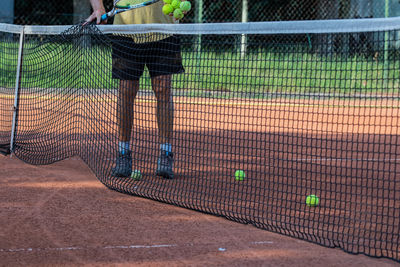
<point>167,9</point>
<point>185,6</point>
<point>312,200</point>
<point>175,3</point>
<point>178,14</point>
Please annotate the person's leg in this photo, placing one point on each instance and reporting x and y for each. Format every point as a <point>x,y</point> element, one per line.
<point>165,118</point>
<point>127,94</point>
<point>127,67</point>
<point>165,107</point>
<point>164,61</point>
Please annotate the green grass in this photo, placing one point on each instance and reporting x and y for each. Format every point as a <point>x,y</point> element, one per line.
<point>301,73</point>
<point>259,72</point>
<point>8,64</point>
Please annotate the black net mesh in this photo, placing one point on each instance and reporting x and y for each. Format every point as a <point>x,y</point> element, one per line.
<point>298,114</point>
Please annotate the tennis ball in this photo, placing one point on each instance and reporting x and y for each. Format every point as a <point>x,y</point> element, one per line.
<point>167,1</point>
<point>136,175</point>
<point>178,14</point>
<point>175,3</point>
<point>185,6</point>
<point>239,175</point>
<point>312,200</point>
<point>167,9</point>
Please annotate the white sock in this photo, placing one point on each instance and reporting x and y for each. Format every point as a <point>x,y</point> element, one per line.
<point>166,147</point>
<point>123,147</point>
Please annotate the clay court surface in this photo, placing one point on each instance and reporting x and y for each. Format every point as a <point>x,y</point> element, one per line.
<point>60,214</point>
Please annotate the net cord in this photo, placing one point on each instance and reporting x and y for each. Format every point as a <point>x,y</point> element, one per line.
<point>274,27</point>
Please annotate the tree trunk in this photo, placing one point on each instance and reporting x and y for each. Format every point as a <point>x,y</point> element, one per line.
<point>7,11</point>
<point>327,9</point>
<point>82,10</point>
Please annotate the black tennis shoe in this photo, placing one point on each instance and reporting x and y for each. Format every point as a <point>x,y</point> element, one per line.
<point>165,165</point>
<point>123,165</point>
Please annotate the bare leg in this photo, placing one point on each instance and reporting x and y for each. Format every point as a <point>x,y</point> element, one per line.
<point>165,107</point>
<point>127,95</point>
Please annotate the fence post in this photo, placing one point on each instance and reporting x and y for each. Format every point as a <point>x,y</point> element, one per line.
<point>386,49</point>
<point>199,19</point>
<point>245,18</point>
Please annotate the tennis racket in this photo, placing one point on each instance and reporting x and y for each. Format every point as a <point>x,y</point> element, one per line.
<point>125,5</point>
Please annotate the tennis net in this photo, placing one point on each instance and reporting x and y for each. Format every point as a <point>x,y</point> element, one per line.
<point>300,108</point>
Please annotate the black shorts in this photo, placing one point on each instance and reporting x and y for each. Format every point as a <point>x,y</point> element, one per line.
<point>161,57</point>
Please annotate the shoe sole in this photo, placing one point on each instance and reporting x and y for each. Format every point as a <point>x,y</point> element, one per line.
<point>164,174</point>
<point>118,174</point>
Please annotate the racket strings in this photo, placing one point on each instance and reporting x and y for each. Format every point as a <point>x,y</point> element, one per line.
<point>128,3</point>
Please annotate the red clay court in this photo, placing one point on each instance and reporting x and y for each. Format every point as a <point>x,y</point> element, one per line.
<point>62,215</point>
<point>295,108</point>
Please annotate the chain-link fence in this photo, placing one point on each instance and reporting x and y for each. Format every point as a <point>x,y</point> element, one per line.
<point>56,12</point>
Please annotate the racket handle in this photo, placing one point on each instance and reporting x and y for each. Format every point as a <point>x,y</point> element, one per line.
<point>104,17</point>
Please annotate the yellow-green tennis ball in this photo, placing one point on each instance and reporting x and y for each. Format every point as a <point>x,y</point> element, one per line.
<point>167,9</point>
<point>185,6</point>
<point>239,175</point>
<point>167,1</point>
<point>178,14</point>
<point>312,200</point>
<point>175,3</point>
<point>136,175</point>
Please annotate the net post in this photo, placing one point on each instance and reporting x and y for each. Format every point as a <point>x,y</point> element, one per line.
<point>17,88</point>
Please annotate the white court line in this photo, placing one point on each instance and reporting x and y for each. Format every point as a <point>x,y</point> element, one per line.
<point>85,248</point>
<point>261,242</point>
<point>349,159</point>
<point>13,250</point>
<point>39,249</point>
<point>139,246</point>
<point>209,102</point>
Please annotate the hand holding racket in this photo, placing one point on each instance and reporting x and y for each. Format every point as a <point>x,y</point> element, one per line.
<point>119,7</point>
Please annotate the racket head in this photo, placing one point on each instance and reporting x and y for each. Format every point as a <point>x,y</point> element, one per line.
<point>125,5</point>
<point>131,4</point>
